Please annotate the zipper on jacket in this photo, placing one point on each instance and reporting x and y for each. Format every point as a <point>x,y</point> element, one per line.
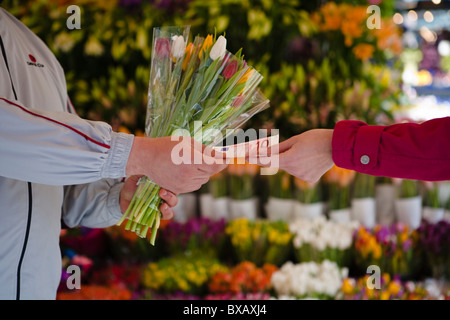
<point>25,242</point>
<point>7,66</point>
<point>30,191</point>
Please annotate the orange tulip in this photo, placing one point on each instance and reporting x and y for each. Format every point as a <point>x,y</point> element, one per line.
<point>364,51</point>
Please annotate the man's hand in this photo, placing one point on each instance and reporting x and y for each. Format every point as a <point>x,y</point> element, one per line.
<point>159,160</point>
<point>130,186</point>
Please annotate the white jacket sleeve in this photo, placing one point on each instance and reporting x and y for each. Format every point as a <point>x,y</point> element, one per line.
<point>92,205</point>
<point>58,148</point>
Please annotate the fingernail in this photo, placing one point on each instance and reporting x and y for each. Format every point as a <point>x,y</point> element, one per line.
<point>165,207</point>
<point>164,192</point>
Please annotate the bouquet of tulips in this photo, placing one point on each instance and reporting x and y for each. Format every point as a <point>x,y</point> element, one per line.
<point>196,88</point>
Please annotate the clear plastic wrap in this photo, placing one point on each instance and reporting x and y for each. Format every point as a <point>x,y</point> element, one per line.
<point>198,89</point>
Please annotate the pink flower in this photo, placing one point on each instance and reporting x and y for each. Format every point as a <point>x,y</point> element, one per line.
<point>162,47</point>
<point>230,69</point>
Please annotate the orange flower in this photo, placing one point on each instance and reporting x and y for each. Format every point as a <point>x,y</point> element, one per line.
<point>187,58</point>
<point>357,14</point>
<point>246,76</point>
<point>251,169</point>
<point>340,175</point>
<point>364,51</point>
<point>389,37</point>
<point>206,44</point>
<point>236,169</point>
<point>347,286</point>
<point>303,185</point>
<point>331,16</point>
<point>351,29</point>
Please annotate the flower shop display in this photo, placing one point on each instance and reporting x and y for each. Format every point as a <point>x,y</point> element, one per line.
<point>434,238</point>
<point>198,234</point>
<point>308,280</point>
<point>391,288</point>
<point>447,211</point>
<point>197,89</point>
<point>72,258</point>
<point>205,200</point>
<point>186,273</point>
<point>322,239</point>
<point>309,204</point>
<point>394,249</point>
<point>220,200</point>
<point>363,200</point>
<point>245,280</point>
<point>339,182</point>
<point>408,205</point>
<point>128,247</point>
<point>280,203</point>
<point>432,210</point>
<point>96,292</point>
<point>260,241</point>
<point>186,207</point>
<point>243,200</point>
<point>85,241</point>
<point>385,195</point>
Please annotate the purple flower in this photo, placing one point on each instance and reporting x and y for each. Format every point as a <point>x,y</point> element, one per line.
<point>407,244</point>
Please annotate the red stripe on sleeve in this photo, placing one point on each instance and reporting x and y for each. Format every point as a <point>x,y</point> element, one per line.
<point>60,123</point>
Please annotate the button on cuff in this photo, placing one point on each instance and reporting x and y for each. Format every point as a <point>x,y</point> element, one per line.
<point>365,159</point>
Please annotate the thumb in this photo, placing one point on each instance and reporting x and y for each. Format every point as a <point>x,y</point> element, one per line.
<point>269,152</point>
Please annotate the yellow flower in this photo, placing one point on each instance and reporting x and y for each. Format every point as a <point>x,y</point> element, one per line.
<point>393,288</point>
<point>206,44</point>
<point>64,42</point>
<point>377,251</point>
<point>347,286</point>
<point>93,47</point>
<point>403,236</point>
<point>385,295</point>
<point>246,76</point>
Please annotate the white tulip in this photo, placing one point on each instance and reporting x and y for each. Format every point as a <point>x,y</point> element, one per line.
<point>178,46</point>
<point>219,48</point>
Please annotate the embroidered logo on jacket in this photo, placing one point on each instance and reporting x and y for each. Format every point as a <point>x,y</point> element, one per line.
<point>33,62</point>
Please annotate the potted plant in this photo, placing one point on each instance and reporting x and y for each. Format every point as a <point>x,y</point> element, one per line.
<point>218,188</point>
<point>309,204</point>
<point>243,201</point>
<point>408,204</point>
<point>433,210</point>
<point>363,201</point>
<point>280,203</point>
<point>385,195</point>
<point>339,181</point>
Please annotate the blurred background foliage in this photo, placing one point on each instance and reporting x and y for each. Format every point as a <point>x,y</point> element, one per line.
<point>320,61</point>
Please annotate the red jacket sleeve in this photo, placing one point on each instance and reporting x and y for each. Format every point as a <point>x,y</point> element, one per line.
<point>404,150</point>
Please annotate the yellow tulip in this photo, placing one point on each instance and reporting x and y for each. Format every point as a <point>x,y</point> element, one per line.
<point>206,44</point>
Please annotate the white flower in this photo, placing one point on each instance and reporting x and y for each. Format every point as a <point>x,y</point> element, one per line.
<point>219,48</point>
<point>64,42</point>
<point>93,47</point>
<point>178,46</point>
<point>308,279</point>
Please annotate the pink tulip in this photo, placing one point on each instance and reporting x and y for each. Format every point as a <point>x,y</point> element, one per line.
<point>162,47</point>
<point>230,69</point>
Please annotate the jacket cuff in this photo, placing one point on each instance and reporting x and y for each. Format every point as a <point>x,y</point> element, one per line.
<point>367,147</point>
<point>118,154</point>
<point>113,202</point>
